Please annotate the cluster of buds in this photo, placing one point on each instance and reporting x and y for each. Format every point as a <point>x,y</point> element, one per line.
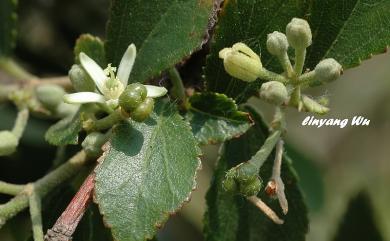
<point>243,63</point>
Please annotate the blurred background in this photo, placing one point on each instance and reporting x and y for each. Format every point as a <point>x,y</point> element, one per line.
<point>338,165</point>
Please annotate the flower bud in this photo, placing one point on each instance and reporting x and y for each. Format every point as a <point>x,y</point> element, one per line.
<point>8,143</point>
<point>251,186</point>
<point>277,43</point>
<point>274,92</point>
<point>132,97</point>
<point>311,105</point>
<point>241,62</point>
<point>230,185</point>
<point>92,144</point>
<point>81,81</point>
<point>327,70</point>
<point>50,95</point>
<point>143,111</point>
<point>298,33</point>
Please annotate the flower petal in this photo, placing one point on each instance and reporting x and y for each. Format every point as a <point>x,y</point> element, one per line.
<point>84,97</point>
<point>126,64</point>
<point>155,91</point>
<point>94,70</point>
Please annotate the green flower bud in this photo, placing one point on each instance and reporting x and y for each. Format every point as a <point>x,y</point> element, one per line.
<point>132,97</point>
<point>92,144</point>
<point>64,109</point>
<point>327,70</point>
<point>311,105</point>
<point>143,111</point>
<point>8,143</point>
<point>274,92</point>
<point>251,186</point>
<point>298,33</point>
<point>242,179</point>
<point>277,43</point>
<point>81,81</point>
<point>230,185</point>
<point>241,62</point>
<point>50,95</point>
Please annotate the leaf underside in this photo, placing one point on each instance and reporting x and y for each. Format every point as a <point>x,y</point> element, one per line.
<point>349,31</point>
<point>91,46</point>
<point>233,218</point>
<point>147,173</point>
<point>65,131</point>
<point>8,25</point>
<point>164,32</point>
<point>215,118</point>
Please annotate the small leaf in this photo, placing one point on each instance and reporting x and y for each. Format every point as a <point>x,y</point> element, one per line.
<point>164,32</point>
<point>65,132</point>
<point>215,118</point>
<point>8,25</point>
<point>91,46</point>
<point>233,218</point>
<point>359,223</point>
<point>146,174</point>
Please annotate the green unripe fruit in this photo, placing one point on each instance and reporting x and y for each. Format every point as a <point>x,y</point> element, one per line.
<point>92,144</point>
<point>251,186</point>
<point>81,81</point>
<point>50,95</point>
<point>8,143</point>
<point>277,43</point>
<point>132,97</point>
<point>143,111</point>
<point>299,33</point>
<point>274,92</point>
<point>327,70</point>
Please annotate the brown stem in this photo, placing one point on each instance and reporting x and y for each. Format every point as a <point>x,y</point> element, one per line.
<point>67,223</point>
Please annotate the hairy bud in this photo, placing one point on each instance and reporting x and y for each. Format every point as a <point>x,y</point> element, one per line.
<point>327,70</point>
<point>298,33</point>
<point>81,81</point>
<point>8,143</point>
<point>241,62</point>
<point>277,43</point>
<point>92,144</point>
<point>311,105</point>
<point>274,92</point>
<point>50,95</point>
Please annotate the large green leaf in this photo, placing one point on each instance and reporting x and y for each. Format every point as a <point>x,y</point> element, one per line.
<point>164,32</point>
<point>233,218</point>
<point>65,131</point>
<point>93,47</point>
<point>358,223</point>
<point>147,173</point>
<point>7,26</point>
<point>215,118</point>
<point>347,30</point>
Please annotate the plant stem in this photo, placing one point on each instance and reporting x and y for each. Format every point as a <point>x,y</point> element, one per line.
<point>106,122</point>
<point>300,55</point>
<point>12,68</point>
<point>43,186</point>
<point>177,82</point>
<point>36,216</point>
<point>11,189</point>
<point>265,209</point>
<point>286,64</point>
<point>20,123</point>
<point>271,76</point>
<point>261,156</point>
<point>66,224</point>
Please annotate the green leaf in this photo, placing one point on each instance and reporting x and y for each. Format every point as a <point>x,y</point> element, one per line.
<point>165,32</point>
<point>348,31</point>
<point>215,118</point>
<point>93,47</point>
<point>233,218</point>
<point>66,131</point>
<point>8,25</point>
<point>359,222</point>
<point>247,21</point>
<point>147,173</point>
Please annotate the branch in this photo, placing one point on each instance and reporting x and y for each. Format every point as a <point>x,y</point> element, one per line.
<point>43,186</point>
<point>11,189</point>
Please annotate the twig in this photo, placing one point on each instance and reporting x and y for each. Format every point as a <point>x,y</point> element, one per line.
<point>36,216</point>
<point>20,123</point>
<point>43,186</point>
<point>66,224</point>
<point>265,209</point>
<point>11,189</point>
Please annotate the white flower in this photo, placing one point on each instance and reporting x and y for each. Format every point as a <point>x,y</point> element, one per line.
<point>110,86</point>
